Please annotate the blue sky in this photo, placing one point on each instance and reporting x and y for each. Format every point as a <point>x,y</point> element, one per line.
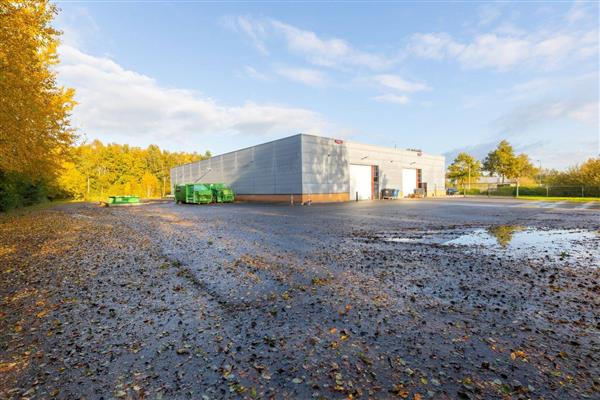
<point>442,77</point>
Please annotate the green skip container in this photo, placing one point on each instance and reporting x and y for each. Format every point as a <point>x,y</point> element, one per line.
<point>123,200</point>
<point>222,193</point>
<point>193,193</point>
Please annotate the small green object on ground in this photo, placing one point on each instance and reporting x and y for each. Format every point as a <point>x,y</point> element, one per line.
<point>123,200</point>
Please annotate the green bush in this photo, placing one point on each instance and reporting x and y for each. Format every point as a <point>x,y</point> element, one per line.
<point>473,191</point>
<point>19,191</point>
<point>8,193</point>
<point>554,191</point>
<point>503,191</point>
<point>573,191</point>
<point>531,191</point>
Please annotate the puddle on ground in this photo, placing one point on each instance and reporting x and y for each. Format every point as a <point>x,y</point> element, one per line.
<point>507,237</point>
<point>401,240</point>
<point>531,242</point>
<point>569,244</point>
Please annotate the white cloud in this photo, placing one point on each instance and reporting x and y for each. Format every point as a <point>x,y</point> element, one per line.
<point>255,30</point>
<point>528,89</point>
<point>587,113</point>
<point>560,155</point>
<point>306,76</point>
<point>488,13</point>
<point>392,98</point>
<point>577,89</point>
<point>572,39</point>
<point>116,102</point>
<point>328,52</point>
<point>254,74</point>
<point>332,52</point>
<point>554,50</point>
<point>402,85</point>
<point>505,50</point>
<point>434,46</point>
<point>490,50</point>
<point>589,45</point>
<point>580,12</point>
<point>544,112</point>
<point>567,96</point>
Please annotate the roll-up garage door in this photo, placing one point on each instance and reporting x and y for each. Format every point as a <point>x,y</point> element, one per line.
<point>360,182</point>
<point>409,181</point>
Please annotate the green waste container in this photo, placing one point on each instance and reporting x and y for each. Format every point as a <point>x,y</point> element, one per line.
<point>227,195</point>
<point>193,193</point>
<point>180,193</point>
<point>222,193</point>
<point>123,200</point>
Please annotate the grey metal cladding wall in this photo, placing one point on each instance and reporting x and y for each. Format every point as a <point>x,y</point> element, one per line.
<point>269,168</point>
<point>392,161</point>
<point>324,165</point>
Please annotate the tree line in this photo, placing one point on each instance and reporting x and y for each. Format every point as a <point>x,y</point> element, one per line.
<point>35,131</point>
<point>39,155</point>
<point>505,164</point>
<point>585,174</point>
<point>96,170</point>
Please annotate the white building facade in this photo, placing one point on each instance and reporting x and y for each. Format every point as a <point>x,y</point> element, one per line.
<point>307,167</point>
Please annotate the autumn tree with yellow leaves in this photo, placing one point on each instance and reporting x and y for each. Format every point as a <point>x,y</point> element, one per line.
<point>38,155</point>
<point>98,170</point>
<point>35,132</point>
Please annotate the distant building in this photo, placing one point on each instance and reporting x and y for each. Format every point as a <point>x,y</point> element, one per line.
<point>494,180</point>
<point>307,167</point>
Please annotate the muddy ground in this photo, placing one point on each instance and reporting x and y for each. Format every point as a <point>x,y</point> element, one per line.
<point>356,300</point>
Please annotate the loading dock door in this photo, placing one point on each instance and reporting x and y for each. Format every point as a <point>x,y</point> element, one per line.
<point>360,181</point>
<point>409,181</point>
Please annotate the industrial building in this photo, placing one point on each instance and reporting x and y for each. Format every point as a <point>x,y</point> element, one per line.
<point>305,167</point>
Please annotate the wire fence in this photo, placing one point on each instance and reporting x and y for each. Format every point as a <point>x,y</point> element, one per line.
<point>541,190</point>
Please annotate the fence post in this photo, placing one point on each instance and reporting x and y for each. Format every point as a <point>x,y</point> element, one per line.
<point>582,191</point>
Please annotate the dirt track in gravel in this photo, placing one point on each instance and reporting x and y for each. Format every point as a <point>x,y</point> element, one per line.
<point>272,301</point>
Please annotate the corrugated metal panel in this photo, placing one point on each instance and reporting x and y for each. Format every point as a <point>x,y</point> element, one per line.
<point>308,164</point>
<point>392,161</point>
<point>324,165</point>
<point>269,168</point>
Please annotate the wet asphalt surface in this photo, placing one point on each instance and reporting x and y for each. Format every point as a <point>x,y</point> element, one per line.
<point>272,301</point>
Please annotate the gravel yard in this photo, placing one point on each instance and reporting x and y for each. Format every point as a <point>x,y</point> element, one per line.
<point>442,299</point>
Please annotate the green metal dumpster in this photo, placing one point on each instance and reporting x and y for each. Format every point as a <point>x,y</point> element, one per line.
<point>222,193</point>
<point>180,194</point>
<point>193,193</point>
<point>123,200</point>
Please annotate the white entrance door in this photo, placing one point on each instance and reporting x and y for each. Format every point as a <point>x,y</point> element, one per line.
<point>409,181</point>
<point>360,182</point>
